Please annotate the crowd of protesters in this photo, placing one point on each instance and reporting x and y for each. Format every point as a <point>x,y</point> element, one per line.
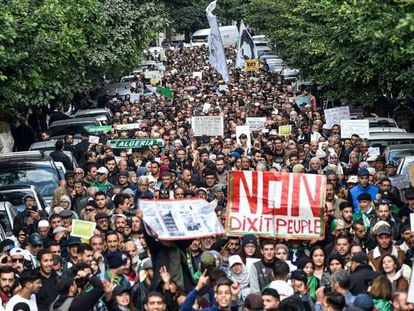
<point>363,263</point>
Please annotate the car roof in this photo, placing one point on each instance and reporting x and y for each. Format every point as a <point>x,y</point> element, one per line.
<point>16,187</point>
<point>399,147</point>
<point>73,121</point>
<point>34,155</point>
<point>390,135</point>
<point>91,111</point>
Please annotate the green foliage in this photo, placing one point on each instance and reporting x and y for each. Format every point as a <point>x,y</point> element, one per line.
<point>51,49</point>
<point>186,16</point>
<point>357,49</point>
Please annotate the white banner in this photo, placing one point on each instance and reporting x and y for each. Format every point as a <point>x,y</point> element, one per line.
<point>217,56</point>
<point>129,126</point>
<point>246,49</point>
<point>256,123</point>
<point>180,219</point>
<point>335,115</point>
<point>208,125</point>
<point>359,127</point>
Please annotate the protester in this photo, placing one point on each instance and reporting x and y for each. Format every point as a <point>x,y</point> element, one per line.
<point>128,263</point>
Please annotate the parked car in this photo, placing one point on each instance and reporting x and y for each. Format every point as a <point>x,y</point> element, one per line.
<point>260,40</point>
<point>263,50</point>
<point>385,139</point>
<point>48,146</point>
<point>266,57</point>
<point>403,165</point>
<point>15,194</point>
<point>377,124</point>
<point>7,215</point>
<point>30,168</point>
<point>72,126</point>
<point>396,152</point>
<point>102,114</point>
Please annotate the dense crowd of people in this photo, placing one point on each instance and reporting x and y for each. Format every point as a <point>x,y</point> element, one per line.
<point>363,263</point>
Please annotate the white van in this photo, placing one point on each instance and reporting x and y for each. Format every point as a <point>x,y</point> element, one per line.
<point>229,36</point>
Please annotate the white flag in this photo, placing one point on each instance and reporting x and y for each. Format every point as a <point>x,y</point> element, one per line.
<point>217,57</point>
<point>246,49</point>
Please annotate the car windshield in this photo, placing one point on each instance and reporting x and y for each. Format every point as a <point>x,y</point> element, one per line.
<point>395,155</point>
<point>196,39</point>
<point>5,223</point>
<point>42,177</point>
<point>405,167</point>
<point>71,129</point>
<point>15,197</point>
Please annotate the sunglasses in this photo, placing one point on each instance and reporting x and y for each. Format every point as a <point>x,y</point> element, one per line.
<point>18,260</point>
<point>89,209</point>
<point>5,260</point>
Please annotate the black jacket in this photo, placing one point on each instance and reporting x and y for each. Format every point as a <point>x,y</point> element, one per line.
<point>84,301</point>
<point>48,292</point>
<point>360,277</point>
<point>60,156</point>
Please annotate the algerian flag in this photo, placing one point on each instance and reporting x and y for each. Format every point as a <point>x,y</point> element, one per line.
<point>165,91</point>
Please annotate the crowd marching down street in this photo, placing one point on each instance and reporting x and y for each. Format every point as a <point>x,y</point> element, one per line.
<point>214,190</point>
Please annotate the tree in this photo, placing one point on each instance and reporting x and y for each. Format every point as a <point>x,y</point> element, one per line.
<point>186,16</point>
<point>51,49</point>
<point>357,49</point>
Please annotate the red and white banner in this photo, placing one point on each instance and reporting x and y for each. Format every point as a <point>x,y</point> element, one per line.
<point>280,205</point>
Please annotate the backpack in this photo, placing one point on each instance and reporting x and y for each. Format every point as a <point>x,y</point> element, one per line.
<point>64,307</point>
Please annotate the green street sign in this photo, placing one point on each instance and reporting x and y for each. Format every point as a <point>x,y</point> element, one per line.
<point>135,143</point>
<point>96,129</point>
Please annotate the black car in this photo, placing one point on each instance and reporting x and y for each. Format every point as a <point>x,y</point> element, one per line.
<point>30,168</point>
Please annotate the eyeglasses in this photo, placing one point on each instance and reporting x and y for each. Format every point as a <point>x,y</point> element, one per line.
<point>89,209</point>
<point>17,260</point>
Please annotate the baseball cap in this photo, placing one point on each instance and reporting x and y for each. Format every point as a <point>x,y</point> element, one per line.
<point>391,163</point>
<point>384,230</point>
<point>409,193</point>
<point>363,172</point>
<point>299,275</point>
<point>234,155</point>
<point>35,239</point>
<point>360,258</point>
<point>119,289</point>
<point>102,170</point>
<point>352,179</point>
<point>59,229</point>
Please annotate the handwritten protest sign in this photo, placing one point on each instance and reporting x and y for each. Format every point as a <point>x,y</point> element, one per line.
<point>281,205</point>
<point>359,127</point>
<point>93,139</point>
<point>198,74</point>
<point>180,219</point>
<point>243,129</point>
<point>285,130</point>
<point>208,125</point>
<point>256,123</point>
<point>335,115</point>
<point>82,229</point>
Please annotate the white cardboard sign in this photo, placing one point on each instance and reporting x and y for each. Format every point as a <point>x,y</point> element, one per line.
<point>359,127</point>
<point>335,115</point>
<point>208,125</point>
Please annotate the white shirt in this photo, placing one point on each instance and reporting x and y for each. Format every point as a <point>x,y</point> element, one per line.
<point>17,298</point>
<point>283,288</point>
